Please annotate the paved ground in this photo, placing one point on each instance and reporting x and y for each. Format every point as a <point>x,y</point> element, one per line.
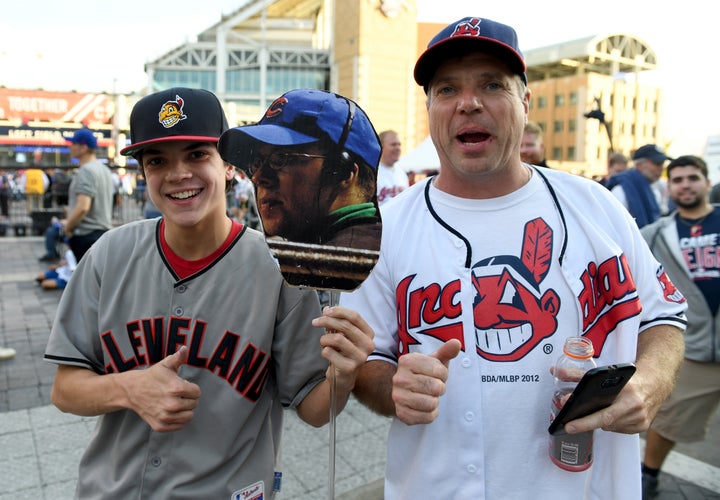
<point>40,447</point>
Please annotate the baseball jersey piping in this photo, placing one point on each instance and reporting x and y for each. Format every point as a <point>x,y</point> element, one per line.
<point>563,248</point>
<point>468,254</point>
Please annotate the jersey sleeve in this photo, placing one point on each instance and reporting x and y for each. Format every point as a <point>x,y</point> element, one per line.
<point>73,338</point>
<point>374,300</point>
<point>296,346</point>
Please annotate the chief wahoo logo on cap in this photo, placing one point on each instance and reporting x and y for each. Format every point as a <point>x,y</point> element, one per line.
<point>468,28</point>
<point>171,113</point>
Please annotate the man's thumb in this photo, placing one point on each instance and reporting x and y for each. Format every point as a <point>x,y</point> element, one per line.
<point>448,351</point>
<point>176,360</point>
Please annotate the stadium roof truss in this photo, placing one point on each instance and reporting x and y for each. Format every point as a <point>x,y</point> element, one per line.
<point>608,55</point>
<point>278,33</point>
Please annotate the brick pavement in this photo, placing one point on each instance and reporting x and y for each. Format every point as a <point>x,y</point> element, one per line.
<point>40,447</point>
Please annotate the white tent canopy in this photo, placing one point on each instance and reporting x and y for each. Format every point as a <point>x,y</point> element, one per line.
<point>423,157</point>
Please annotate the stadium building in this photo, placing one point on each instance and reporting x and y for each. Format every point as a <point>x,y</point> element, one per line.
<point>587,94</point>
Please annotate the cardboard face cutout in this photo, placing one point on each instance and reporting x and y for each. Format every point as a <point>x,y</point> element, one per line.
<point>313,161</point>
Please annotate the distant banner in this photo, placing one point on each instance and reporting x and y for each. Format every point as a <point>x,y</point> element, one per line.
<point>46,136</point>
<point>67,107</point>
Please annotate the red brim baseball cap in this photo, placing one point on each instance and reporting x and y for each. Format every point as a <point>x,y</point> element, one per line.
<point>176,114</point>
<point>469,34</point>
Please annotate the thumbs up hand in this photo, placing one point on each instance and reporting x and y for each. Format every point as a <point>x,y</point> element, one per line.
<point>419,382</point>
<point>160,396</point>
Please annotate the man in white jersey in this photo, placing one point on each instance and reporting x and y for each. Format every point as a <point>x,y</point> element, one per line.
<point>180,334</point>
<point>471,302</point>
<point>391,179</point>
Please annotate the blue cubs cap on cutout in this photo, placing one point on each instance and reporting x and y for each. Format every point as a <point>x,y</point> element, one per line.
<point>176,114</point>
<point>305,116</point>
<point>650,152</point>
<point>84,137</point>
<point>470,34</point>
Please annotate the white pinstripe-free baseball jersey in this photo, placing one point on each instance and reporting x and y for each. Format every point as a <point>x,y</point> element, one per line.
<point>510,278</point>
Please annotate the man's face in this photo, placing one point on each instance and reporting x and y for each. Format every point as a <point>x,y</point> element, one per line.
<point>532,149</point>
<point>76,149</point>
<point>651,170</point>
<point>391,150</point>
<point>476,116</point>
<point>687,186</point>
<point>616,167</point>
<point>290,197</point>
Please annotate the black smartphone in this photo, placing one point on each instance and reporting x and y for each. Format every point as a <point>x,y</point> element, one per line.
<point>596,390</point>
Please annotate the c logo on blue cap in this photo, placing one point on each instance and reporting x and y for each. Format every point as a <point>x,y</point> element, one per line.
<point>276,107</point>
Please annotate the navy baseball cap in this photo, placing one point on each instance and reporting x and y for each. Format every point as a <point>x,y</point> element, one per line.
<point>470,34</point>
<point>650,152</point>
<point>176,114</point>
<point>85,137</point>
<point>305,116</point>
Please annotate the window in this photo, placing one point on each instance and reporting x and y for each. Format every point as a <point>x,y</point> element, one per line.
<point>557,153</point>
<point>541,102</point>
<point>573,98</point>
<point>559,100</point>
<point>557,126</point>
<point>572,125</point>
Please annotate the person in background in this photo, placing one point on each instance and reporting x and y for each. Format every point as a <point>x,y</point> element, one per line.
<point>49,188</point>
<point>639,189</point>
<point>472,302</point>
<point>682,242</point>
<point>54,236</point>
<point>57,275</point>
<point>179,333</point>
<point>61,186</point>
<point>391,179</point>
<point>36,182</point>
<point>90,198</point>
<point>532,147</point>
<point>715,193</point>
<point>616,163</point>
<point>5,194</point>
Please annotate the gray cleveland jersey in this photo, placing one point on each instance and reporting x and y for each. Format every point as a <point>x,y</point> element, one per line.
<point>252,348</point>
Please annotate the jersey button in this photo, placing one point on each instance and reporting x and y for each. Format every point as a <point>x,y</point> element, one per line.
<point>156,461</point>
<point>181,289</point>
<point>471,469</point>
<point>179,311</point>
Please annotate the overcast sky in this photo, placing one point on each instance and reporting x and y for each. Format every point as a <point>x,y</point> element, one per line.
<point>102,45</point>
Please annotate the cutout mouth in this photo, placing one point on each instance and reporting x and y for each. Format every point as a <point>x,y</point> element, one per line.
<point>268,203</point>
